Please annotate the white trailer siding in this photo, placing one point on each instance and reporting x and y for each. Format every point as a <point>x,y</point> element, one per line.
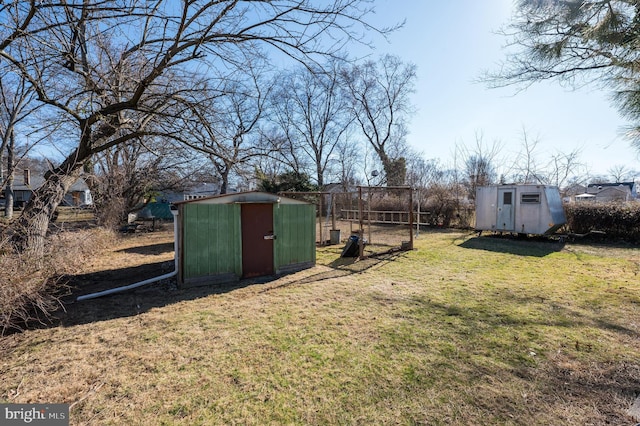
<point>522,209</point>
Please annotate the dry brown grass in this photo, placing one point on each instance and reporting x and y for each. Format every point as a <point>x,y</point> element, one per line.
<point>463,330</point>
<point>379,237</point>
<point>30,291</point>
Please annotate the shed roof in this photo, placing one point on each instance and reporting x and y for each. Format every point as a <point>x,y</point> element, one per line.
<point>243,197</point>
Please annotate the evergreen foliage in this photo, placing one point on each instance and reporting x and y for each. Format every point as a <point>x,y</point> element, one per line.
<point>577,42</point>
<point>286,182</point>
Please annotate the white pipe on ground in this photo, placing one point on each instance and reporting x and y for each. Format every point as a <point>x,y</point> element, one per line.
<point>147,281</point>
<point>126,287</point>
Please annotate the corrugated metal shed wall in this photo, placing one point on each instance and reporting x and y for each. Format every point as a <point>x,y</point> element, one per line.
<point>295,228</point>
<point>212,240</point>
<point>556,208</point>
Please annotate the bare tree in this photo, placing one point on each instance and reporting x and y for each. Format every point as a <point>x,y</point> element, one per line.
<point>15,17</point>
<point>225,124</point>
<point>560,168</point>
<point>124,177</point>
<point>284,151</point>
<point>282,155</point>
<point>564,168</point>
<point>479,166</point>
<point>620,173</point>
<point>22,18</point>
<point>312,113</point>
<point>525,168</point>
<point>16,107</point>
<point>269,167</point>
<point>380,93</point>
<point>111,70</point>
<point>436,190</point>
<point>423,176</point>
<point>347,158</point>
<point>422,172</point>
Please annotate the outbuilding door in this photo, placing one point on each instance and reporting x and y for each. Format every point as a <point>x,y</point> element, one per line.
<point>257,240</point>
<point>506,210</point>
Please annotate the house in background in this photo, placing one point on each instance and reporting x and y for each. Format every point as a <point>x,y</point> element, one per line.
<point>159,205</point>
<point>23,187</point>
<point>602,192</point>
<point>572,191</point>
<point>190,192</point>
<point>618,191</point>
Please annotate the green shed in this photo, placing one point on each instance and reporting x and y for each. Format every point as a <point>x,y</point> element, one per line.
<point>243,235</point>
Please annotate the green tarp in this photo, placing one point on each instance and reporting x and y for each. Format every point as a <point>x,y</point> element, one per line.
<point>157,210</point>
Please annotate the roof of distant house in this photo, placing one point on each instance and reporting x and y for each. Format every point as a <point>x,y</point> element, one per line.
<point>37,181</point>
<point>609,185</point>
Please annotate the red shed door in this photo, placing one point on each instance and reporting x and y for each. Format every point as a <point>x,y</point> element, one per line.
<point>257,240</point>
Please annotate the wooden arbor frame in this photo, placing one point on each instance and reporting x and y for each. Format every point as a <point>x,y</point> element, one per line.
<point>409,212</point>
<point>318,195</point>
<point>408,245</point>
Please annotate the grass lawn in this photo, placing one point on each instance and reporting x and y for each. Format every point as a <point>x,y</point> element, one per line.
<point>462,330</point>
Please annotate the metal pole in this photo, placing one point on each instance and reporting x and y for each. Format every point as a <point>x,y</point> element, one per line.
<point>418,217</point>
<point>369,214</point>
<point>333,213</point>
<point>361,222</point>
<point>411,219</point>
<point>322,242</point>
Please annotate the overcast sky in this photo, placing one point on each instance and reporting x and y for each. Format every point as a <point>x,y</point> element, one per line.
<point>452,42</point>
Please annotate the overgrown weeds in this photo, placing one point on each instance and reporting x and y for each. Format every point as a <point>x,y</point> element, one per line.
<point>30,289</point>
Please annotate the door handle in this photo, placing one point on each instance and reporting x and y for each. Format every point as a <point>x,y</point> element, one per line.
<point>269,237</point>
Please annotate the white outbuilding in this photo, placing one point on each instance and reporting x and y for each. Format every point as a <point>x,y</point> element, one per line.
<point>522,209</point>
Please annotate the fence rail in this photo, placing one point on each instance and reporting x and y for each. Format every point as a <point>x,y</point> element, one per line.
<point>386,217</point>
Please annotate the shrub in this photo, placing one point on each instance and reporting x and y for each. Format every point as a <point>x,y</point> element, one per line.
<point>390,203</point>
<point>620,221</point>
<point>30,291</point>
<point>443,207</point>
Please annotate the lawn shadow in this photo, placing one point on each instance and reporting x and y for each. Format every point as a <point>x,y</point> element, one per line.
<point>341,267</point>
<point>532,247</point>
<point>166,292</point>
<point>151,250</point>
<point>135,301</point>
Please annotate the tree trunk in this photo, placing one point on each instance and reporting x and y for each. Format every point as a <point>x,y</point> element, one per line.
<point>224,181</point>
<point>8,192</point>
<point>319,175</point>
<point>8,197</point>
<point>30,230</point>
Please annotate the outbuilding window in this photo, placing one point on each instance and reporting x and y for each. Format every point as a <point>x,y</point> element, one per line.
<point>530,198</point>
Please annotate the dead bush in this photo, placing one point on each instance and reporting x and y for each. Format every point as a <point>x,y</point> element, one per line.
<point>618,221</point>
<point>390,203</point>
<point>30,291</point>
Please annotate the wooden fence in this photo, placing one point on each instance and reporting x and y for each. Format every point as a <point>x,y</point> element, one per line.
<point>386,217</point>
